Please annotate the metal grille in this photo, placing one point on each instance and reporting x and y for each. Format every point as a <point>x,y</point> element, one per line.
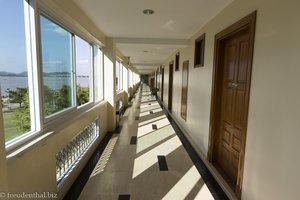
<point>69,156</point>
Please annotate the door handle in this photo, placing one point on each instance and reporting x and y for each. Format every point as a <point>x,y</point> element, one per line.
<point>234,85</point>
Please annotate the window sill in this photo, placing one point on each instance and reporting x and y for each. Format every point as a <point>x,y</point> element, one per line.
<point>32,144</point>
<point>39,138</point>
<point>120,91</point>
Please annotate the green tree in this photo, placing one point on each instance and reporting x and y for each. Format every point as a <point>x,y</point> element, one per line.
<point>49,100</point>
<point>82,95</point>
<point>17,96</point>
<point>64,97</point>
<point>22,117</point>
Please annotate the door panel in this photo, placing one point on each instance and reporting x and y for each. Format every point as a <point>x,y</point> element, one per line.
<point>170,96</point>
<point>232,123</point>
<point>184,89</point>
<point>230,101</point>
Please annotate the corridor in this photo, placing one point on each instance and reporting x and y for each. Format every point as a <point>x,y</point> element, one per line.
<point>146,160</point>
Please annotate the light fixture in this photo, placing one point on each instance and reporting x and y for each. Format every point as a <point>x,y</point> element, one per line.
<point>145,51</point>
<point>148,11</point>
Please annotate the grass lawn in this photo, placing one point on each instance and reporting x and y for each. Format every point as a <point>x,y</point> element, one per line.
<point>10,125</point>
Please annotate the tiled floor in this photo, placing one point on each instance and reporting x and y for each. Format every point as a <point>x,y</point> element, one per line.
<point>154,167</point>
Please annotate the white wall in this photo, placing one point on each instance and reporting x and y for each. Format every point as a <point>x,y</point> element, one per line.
<point>271,160</point>
<point>109,82</point>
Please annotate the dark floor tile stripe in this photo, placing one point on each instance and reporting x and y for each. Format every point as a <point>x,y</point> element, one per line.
<point>162,162</point>
<point>151,112</point>
<point>149,104</point>
<point>154,127</point>
<point>124,197</point>
<point>133,140</point>
<point>137,118</point>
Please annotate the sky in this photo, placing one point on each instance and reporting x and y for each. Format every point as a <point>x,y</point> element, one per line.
<point>12,36</point>
<point>56,42</point>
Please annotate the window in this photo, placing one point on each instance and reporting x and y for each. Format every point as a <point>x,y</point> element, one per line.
<point>98,73</point>
<point>177,62</point>
<point>83,71</point>
<point>130,78</point>
<point>57,66</point>
<point>15,71</point>
<point>121,77</point>
<point>118,75</point>
<point>199,51</point>
<point>125,79</point>
<point>67,77</point>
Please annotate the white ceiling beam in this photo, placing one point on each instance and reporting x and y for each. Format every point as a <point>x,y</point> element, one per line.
<point>146,64</point>
<point>160,41</point>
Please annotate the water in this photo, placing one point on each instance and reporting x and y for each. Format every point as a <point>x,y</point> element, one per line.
<point>12,82</point>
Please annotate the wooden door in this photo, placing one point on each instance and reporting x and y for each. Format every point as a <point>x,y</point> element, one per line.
<point>232,109</point>
<point>151,83</point>
<point>184,89</point>
<point>170,96</point>
<point>231,90</point>
<point>156,75</point>
<point>162,83</point>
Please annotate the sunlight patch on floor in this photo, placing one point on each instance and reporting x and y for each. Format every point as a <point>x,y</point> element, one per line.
<point>153,138</point>
<point>184,186</point>
<point>144,130</point>
<point>145,105</point>
<point>147,113</point>
<point>151,120</point>
<point>100,166</point>
<point>145,161</point>
<point>148,108</point>
<point>204,194</point>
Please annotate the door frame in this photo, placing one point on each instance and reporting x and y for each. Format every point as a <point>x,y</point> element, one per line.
<point>247,22</point>
<point>170,88</point>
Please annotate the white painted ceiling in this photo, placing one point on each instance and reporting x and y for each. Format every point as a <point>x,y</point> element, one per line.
<point>162,33</point>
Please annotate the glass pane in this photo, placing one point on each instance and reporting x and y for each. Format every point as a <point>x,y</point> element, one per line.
<point>83,70</point>
<point>121,77</point>
<point>117,75</point>
<point>125,79</point>
<point>98,72</point>
<point>57,67</point>
<point>13,70</point>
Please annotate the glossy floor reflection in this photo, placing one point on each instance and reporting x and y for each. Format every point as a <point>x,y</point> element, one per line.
<point>134,169</point>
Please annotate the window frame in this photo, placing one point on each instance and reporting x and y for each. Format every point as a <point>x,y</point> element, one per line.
<point>177,60</point>
<point>42,124</point>
<point>121,76</point>
<point>91,77</point>
<point>58,114</point>
<point>101,70</point>
<point>199,51</point>
<point>52,119</point>
<point>32,67</point>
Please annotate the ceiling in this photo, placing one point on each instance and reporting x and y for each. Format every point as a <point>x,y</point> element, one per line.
<point>149,39</point>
